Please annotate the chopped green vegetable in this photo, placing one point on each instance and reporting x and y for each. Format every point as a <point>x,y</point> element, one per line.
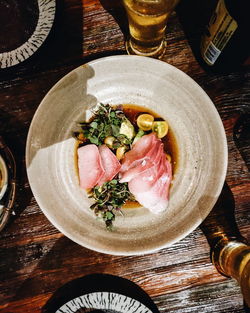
<point>139,135</point>
<point>127,129</point>
<point>94,125</point>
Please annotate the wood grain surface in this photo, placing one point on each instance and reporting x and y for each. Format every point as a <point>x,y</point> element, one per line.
<point>35,258</point>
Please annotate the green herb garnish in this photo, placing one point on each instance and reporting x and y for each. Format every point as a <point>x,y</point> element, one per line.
<point>109,199</point>
<point>106,122</point>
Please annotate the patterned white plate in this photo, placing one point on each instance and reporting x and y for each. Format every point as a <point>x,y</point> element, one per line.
<point>107,301</point>
<point>45,21</point>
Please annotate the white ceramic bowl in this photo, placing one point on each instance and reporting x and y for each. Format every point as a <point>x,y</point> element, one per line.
<point>201,140</point>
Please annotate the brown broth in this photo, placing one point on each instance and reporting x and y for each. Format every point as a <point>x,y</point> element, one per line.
<point>129,204</point>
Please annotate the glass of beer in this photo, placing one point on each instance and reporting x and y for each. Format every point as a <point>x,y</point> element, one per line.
<point>147,24</point>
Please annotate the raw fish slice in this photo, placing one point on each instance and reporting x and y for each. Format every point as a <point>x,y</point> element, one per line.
<point>144,164</point>
<point>110,164</point>
<point>89,166</point>
<point>162,187</point>
<point>166,179</point>
<point>153,202</point>
<point>146,180</point>
<point>155,198</point>
<point>138,151</point>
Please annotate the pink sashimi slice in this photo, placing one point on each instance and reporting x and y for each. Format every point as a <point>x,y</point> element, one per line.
<point>153,197</point>
<point>89,166</point>
<point>166,180</point>
<point>151,159</point>
<point>110,164</point>
<point>138,151</point>
<point>152,201</point>
<point>147,179</point>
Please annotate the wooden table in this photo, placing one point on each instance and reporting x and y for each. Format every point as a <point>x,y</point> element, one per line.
<point>35,258</point>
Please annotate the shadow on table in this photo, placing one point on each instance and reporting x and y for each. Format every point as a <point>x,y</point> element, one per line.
<point>242,136</point>
<point>221,220</point>
<point>116,9</point>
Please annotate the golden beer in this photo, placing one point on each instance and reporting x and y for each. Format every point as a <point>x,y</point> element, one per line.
<point>147,24</point>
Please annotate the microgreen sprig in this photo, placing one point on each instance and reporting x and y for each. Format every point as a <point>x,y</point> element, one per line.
<point>109,198</point>
<point>106,122</point>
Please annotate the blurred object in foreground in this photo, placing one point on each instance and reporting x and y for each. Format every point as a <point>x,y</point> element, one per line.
<point>229,250</point>
<point>7,183</point>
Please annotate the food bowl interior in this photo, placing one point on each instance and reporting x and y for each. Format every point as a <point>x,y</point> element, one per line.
<point>193,119</point>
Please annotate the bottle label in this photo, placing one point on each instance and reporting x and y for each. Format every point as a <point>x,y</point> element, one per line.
<point>220,29</point>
